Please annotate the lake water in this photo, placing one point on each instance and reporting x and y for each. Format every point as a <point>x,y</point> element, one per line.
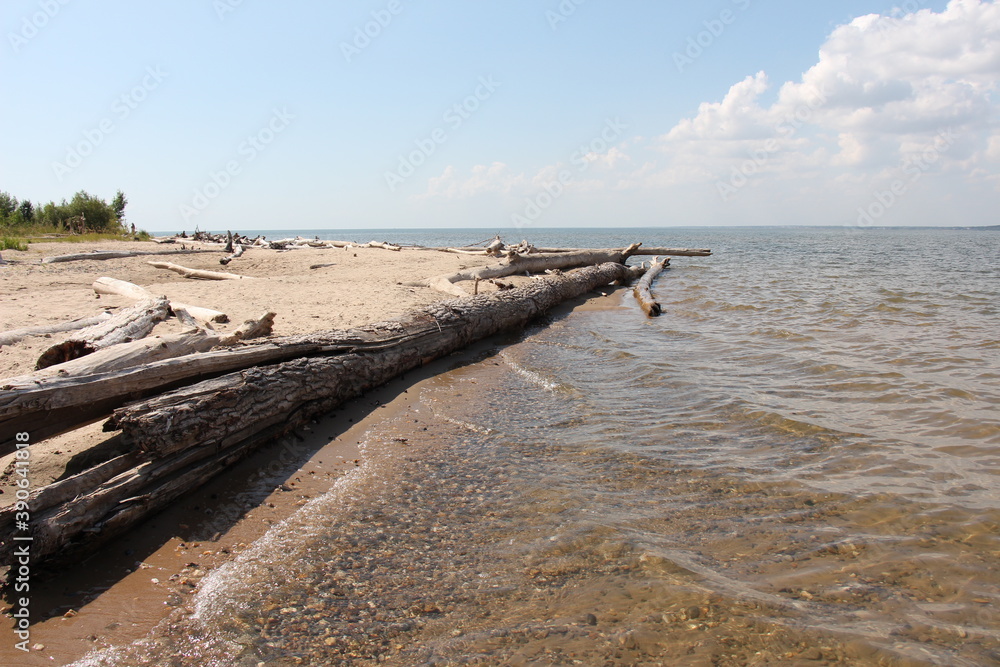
<point>797,462</point>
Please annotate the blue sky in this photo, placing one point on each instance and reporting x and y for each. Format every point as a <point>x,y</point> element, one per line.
<point>259,115</point>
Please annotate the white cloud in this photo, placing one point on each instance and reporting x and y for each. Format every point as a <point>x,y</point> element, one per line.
<point>882,91</point>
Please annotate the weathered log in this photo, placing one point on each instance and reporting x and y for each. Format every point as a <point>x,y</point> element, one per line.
<point>197,274</point>
<point>148,350</point>
<point>15,335</point>
<point>537,263</point>
<point>237,253</point>
<point>115,254</point>
<point>127,325</point>
<point>254,406</point>
<point>385,245</point>
<point>133,291</point>
<point>642,289</point>
<point>233,405</point>
<point>672,252</point>
<point>55,405</point>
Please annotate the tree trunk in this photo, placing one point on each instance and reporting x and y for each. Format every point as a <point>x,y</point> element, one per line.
<point>673,252</point>
<point>198,431</point>
<point>133,291</point>
<point>197,274</point>
<point>529,264</point>
<point>15,335</point>
<point>643,294</point>
<point>148,350</point>
<point>127,325</point>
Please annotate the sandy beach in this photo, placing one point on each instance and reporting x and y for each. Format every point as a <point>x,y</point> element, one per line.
<point>148,572</point>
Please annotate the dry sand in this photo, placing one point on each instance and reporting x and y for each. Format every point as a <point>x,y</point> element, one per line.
<point>146,573</point>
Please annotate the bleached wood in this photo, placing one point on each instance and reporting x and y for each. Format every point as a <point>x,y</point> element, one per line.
<point>198,274</point>
<point>129,324</point>
<point>642,290</point>
<point>132,291</point>
<point>15,335</point>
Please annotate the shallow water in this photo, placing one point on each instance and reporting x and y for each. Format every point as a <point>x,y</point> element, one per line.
<point>797,461</point>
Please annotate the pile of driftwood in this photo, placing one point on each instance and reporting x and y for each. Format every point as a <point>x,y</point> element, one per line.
<point>185,407</point>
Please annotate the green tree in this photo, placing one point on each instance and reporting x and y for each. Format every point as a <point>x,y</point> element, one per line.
<point>96,212</point>
<point>27,211</point>
<point>8,204</point>
<point>118,205</point>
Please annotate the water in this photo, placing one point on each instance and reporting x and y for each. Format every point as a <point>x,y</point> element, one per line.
<point>797,461</point>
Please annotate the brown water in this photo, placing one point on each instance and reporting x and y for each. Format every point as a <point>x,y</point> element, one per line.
<point>797,463</point>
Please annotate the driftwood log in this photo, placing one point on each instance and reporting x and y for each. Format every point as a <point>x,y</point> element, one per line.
<point>127,325</point>
<point>114,254</point>
<point>148,350</point>
<point>16,335</point>
<point>236,253</point>
<point>670,252</point>
<point>188,435</point>
<point>198,274</point>
<point>133,291</point>
<point>643,293</point>
<point>539,263</point>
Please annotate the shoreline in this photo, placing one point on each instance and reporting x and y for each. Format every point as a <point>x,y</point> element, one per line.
<point>151,571</point>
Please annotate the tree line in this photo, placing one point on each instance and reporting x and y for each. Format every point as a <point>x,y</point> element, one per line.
<point>84,212</point>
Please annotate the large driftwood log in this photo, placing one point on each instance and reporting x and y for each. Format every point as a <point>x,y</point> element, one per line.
<point>643,293</point>
<point>114,254</point>
<point>148,350</point>
<point>15,335</point>
<point>671,252</point>
<point>198,274</point>
<point>55,405</point>
<point>197,431</point>
<point>538,263</point>
<point>127,325</point>
<point>133,291</point>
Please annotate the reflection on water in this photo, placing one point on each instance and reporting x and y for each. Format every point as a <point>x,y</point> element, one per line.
<point>796,462</point>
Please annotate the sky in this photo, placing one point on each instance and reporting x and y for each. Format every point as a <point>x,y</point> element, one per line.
<point>247,114</point>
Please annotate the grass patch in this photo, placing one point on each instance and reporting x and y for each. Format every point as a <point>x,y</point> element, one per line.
<point>13,243</point>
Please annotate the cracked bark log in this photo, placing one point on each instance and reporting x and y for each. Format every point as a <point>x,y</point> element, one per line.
<point>133,291</point>
<point>536,263</point>
<point>197,274</point>
<point>16,335</point>
<point>249,408</point>
<point>643,293</point>
<point>127,325</point>
<point>52,406</point>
